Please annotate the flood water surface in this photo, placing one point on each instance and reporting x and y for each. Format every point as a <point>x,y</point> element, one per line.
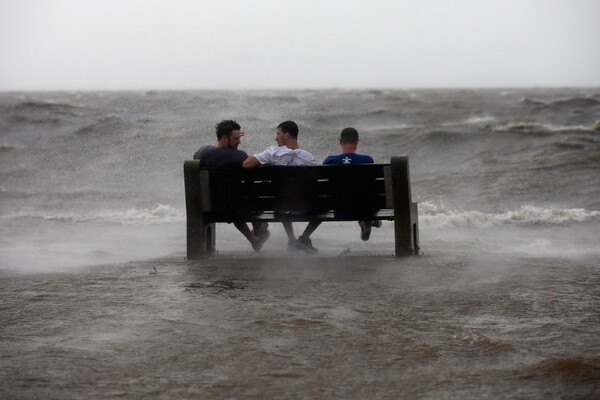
<point>344,327</point>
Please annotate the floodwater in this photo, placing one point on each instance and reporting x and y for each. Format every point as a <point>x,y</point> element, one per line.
<point>350,326</point>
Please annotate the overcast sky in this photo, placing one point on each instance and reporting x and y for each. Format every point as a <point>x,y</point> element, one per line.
<point>230,44</point>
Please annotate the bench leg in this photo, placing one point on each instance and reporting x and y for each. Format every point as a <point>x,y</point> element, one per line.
<point>404,232</point>
<point>406,224</point>
<point>195,242</point>
<point>201,240</point>
<point>210,238</point>
<point>200,236</point>
<point>414,230</point>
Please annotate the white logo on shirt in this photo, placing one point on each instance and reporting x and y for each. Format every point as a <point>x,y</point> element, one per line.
<point>346,160</point>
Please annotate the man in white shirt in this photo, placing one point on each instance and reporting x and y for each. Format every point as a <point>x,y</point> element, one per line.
<point>287,152</point>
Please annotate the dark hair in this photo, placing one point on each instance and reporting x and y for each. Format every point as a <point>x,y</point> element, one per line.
<point>289,127</point>
<point>349,135</point>
<point>225,127</point>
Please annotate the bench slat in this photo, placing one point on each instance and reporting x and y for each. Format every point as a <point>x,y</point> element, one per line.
<point>298,189</point>
<point>272,216</point>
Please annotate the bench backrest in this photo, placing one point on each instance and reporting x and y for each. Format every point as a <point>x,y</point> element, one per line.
<point>219,194</point>
<point>300,189</point>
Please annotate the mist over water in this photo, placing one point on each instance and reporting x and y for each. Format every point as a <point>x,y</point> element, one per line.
<point>98,299</point>
<point>93,177</point>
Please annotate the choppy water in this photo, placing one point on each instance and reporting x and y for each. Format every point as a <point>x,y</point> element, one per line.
<point>97,300</point>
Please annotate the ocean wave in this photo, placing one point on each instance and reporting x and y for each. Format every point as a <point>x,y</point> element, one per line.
<point>14,193</point>
<point>28,119</point>
<point>107,124</point>
<point>533,127</point>
<point>8,148</point>
<point>38,112</point>
<point>157,215</point>
<point>46,195</point>
<point>48,106</point>
<point>575,102</point>
<point>579,369</point>
<point>473,120</point>
<point>528,101</point>
<point>161,214</point>
<point>387,131</point>
<point>436,216</point>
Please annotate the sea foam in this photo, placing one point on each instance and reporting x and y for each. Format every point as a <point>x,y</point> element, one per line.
<point>437,216</point>
<point>160,214</point>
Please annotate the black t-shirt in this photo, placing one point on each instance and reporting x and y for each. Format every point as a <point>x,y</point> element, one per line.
<point>211,156</point>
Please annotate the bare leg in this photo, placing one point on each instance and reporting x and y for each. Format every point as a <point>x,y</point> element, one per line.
<point>243,227</point>
<point>258,227</point>
<point>310,228</point>
<point>289,230</point>
<point>365,230</point>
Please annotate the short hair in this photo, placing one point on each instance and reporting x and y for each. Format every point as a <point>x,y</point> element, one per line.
<point>349,135</point>
<point>289,127</point>
<point>225,127</point>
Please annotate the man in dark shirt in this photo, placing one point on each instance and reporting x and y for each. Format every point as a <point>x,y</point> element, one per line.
<point>349,143</point>
<point>226,154</point>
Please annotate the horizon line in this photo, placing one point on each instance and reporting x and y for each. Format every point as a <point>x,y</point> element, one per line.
<point>340,88</point>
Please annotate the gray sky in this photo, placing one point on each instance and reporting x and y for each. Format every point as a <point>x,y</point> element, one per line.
<point>229,44</point>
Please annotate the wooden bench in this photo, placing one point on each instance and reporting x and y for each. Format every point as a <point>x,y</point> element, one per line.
<point>299,193</point>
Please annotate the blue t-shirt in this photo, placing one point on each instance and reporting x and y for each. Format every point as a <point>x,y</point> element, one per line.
<point>349,158</point>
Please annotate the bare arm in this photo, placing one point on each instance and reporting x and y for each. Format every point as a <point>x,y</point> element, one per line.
<point>251,162</point>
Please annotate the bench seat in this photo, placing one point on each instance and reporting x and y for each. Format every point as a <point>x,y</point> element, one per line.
<point>274,216</point>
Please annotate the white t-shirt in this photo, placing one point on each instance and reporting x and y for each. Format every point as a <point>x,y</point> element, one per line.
<point>274,155</point>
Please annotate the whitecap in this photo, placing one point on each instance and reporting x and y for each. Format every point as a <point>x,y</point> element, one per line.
<point>160,214</point>
<point>437,216</point>
<point>533,126</point>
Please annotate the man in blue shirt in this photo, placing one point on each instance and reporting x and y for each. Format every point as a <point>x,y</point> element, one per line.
<point>349,143</point>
